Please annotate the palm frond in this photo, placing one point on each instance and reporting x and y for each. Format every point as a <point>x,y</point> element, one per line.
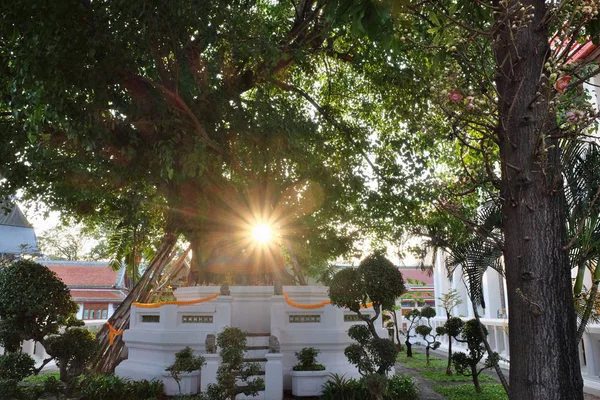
<point>474,258</point>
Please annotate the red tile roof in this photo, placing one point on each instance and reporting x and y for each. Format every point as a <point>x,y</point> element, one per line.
<point>97,295</point>
<point>74,275</point>
<point>417,274</point>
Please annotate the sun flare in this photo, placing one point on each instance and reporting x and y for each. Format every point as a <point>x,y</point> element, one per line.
<point>262,233</point>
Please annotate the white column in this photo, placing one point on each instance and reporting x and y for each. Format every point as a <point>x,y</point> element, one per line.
<point>486,295</point>
<point>278,315</point>
<point>208,374</point>
<point>274,376</point>
<point>590,354</point>
<point>223,313</point>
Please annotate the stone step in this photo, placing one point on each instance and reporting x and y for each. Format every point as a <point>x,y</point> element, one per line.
<point>248,348</point>
<point>255,353</point>
<point>255,359</point>
<point>257,341</point>
<point>258,374</point>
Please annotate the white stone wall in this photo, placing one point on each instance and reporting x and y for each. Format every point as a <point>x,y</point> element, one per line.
<point>156,334</point>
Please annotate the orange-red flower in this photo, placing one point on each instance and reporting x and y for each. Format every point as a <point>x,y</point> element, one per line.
<point>562,83</point>
<point>455,96</point>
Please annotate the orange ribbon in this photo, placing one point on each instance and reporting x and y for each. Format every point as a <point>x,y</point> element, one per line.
<point>178,303</point>
<point>112,333</point>
<point>315,305</point>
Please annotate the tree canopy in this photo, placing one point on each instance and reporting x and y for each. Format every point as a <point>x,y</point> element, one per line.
<point>326,118</point>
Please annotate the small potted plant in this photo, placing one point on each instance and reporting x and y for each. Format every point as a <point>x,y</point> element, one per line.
<point>185,371</point>
<point>308,377</point>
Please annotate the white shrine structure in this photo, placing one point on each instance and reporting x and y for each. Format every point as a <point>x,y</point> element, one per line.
<point>299,318</point>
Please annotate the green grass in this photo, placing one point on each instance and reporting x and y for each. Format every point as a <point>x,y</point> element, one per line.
<point>467,392</point>
<point>422,364</point>
<point>417,355</point>
<point>418,361</point>
<point>42,377</point>
<point>440,376</point>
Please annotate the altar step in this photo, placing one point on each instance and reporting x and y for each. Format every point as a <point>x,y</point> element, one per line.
<point>257,346</point>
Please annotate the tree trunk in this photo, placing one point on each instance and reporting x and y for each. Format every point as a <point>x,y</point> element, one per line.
<point>448,367</point>
<point>109,356</point>
<point>427,354</point>
<point>198,274</point>
<point>295,264</point>
<point>540,302</point>
<point>475,376</point>
<point>408,347</point>
<point>397,329</point>
<point>490,352</point>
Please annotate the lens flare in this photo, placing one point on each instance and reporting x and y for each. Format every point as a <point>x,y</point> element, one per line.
<point>262,233</point>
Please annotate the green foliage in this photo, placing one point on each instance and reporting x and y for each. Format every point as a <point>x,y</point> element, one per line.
<point>428,312</point>
<point>383,282</point>
<point>233,369</point>
<point>426,331</point>
<point>307,360</point>
<point>467,363</point>
<point>449,300</point>
<point>440,376</point>
<point>370,354</point>
<point>10,389</point>
<point>185,361</point>
<point>467,392</point>
<point>453,326</point>
<point>396,387</point>
<point>376,280</point>
<point>42,377</point>
<point>16,366</point>
<point>72,350</point>
<point>102,387</point>
<point>34,303</point>
<point>402,387</point>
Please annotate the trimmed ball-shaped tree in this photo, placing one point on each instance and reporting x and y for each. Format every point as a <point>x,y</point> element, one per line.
<point>427,332</point>
<point>34,303</point>
<point>370,355</point>
<point>375,280</point>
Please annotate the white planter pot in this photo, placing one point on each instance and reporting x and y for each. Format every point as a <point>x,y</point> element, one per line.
<point>190,383</point>
<point>308,383</point>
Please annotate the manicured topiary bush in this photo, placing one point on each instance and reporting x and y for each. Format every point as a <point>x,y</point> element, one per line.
<point>426,331</point>
<point>467,363</point>
<point>307,360</point>
<point>370,355</point>
<point>375,280</point>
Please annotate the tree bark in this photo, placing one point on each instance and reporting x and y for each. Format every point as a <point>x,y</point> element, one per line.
<point>475,377</point>
<point>109,356</point>
<point>295,264</point>
<point>540,301</point>
<point>448,367</point>
<point>489,350</point>
<point>408,347</point>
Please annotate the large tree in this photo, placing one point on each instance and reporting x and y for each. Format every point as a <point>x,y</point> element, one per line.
<point>208,115</point>
<point>508,100</point>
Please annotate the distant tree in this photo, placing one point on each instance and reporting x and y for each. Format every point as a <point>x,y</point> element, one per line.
<point>452,328</point>
<point>413,317</point>
<point>73,242</point>
<point>426,331</point>
<point>448,301</point>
